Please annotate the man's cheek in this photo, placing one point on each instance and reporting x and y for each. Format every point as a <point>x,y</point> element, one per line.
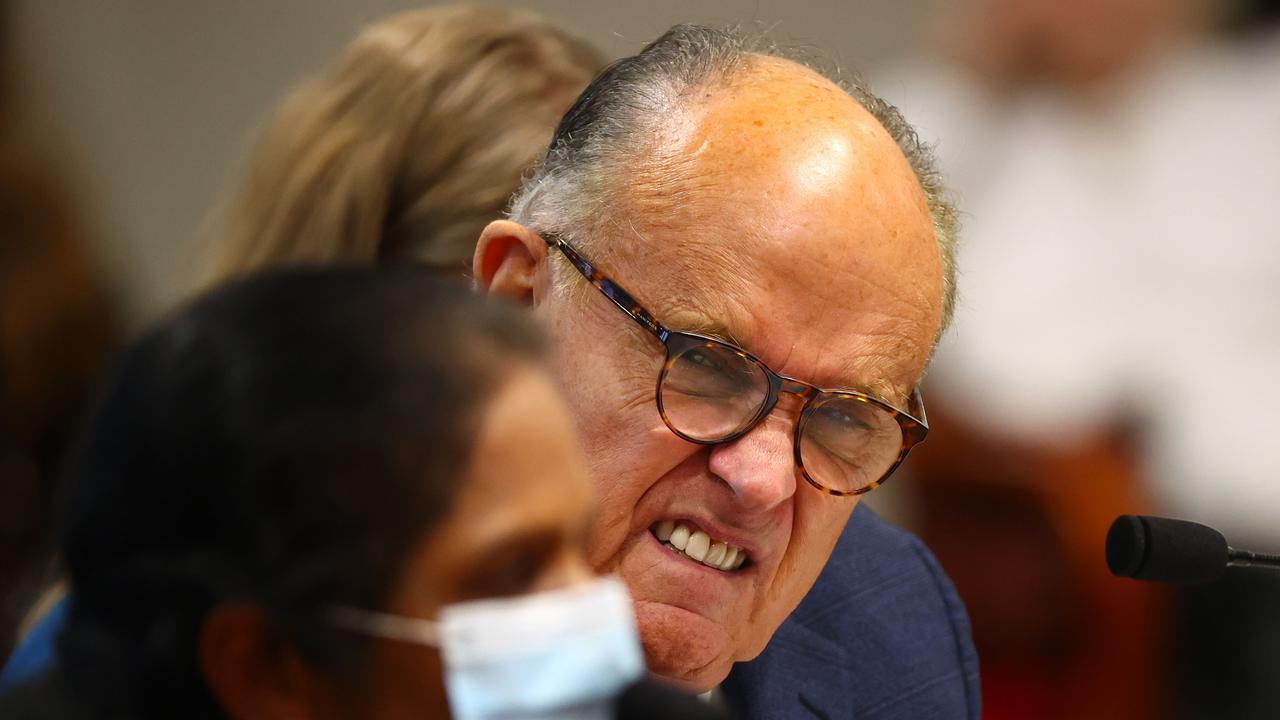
<point>612,401</point>
<point>816,529</point>
<point>618,487</point>
<point>819,521</point>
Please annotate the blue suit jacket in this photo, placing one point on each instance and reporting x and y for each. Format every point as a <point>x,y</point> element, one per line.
<point>35,653</point>
<point>881,635</point>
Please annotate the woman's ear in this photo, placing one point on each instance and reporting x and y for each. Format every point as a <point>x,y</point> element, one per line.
<point>247,669</point>
<point>508,257</point>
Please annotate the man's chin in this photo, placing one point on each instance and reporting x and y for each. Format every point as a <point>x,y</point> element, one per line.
<point>682,647</point>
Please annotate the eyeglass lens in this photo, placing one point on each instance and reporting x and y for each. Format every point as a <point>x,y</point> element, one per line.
<point>847,443</point>
<point>711,392</point>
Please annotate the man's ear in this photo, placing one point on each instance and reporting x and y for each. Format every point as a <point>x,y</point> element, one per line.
<point>249,673</point>
<point>508,257</point>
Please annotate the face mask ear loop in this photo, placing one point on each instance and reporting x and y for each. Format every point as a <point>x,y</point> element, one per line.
<point>385,625</point>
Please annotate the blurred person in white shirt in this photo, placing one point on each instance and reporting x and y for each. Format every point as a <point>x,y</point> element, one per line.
<point>1119,165</point>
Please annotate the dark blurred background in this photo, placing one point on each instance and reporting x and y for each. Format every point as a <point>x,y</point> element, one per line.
<point>1115,347</point>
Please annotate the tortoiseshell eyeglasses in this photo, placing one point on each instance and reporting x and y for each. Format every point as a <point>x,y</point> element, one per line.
<point>711,392</point>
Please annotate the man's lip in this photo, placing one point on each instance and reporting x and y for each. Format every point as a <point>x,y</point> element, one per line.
<point>716,531</point>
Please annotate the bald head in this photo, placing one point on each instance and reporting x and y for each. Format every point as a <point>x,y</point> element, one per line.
<point>626,140</point>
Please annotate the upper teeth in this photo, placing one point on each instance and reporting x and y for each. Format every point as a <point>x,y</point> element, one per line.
<point>699,546</point>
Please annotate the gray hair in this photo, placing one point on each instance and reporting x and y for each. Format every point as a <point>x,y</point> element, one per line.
<point>621,117</point>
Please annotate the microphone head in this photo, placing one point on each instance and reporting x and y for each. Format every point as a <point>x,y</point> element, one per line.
<point>1163,549</point>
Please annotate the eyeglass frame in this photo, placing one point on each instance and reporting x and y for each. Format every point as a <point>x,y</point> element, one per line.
<point>914,427</point>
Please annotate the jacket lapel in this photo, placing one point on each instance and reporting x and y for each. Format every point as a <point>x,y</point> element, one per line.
<point>801,674</point>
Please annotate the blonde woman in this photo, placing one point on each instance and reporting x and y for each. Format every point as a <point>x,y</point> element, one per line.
<point>408,144</point>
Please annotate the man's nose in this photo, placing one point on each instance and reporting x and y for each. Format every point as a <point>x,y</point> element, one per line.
<point>760,466</point>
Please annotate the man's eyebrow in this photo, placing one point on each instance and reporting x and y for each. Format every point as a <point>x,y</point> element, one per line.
<point>714,329</point>
<point>886,392</point>
<point>879,388</point>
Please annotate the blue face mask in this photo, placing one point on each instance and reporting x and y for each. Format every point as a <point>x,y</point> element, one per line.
<point>559,654</point>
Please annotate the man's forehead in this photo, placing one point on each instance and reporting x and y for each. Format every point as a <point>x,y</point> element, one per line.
<point>813,316</point>
<point>813,309</point>
<point>740,313</point>
<point>787,221</point>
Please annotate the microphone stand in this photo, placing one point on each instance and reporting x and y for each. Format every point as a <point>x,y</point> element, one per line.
<point>1246,558</point>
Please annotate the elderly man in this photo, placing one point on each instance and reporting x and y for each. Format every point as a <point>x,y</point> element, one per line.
<point>787,264</point>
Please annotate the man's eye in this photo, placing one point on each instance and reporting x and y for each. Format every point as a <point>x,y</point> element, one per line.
<point>701,374</point>
<point>705,361</point>
<point>841,421</point>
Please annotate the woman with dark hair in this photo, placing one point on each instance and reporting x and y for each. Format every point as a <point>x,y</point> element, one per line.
<point>299,487</point>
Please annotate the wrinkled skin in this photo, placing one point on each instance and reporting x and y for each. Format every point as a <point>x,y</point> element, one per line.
<point>786,219</point>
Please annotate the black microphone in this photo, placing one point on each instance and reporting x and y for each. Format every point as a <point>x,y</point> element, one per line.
<point>646,700</point>
<point>1178,551</point>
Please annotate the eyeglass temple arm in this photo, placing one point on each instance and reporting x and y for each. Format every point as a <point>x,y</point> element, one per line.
<point>611,290</point>
<point>921,415</point>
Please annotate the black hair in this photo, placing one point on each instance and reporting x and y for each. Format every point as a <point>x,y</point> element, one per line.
<point>285,441</point>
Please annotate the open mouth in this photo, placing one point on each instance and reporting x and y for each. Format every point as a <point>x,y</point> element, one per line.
<point>698,546</point>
